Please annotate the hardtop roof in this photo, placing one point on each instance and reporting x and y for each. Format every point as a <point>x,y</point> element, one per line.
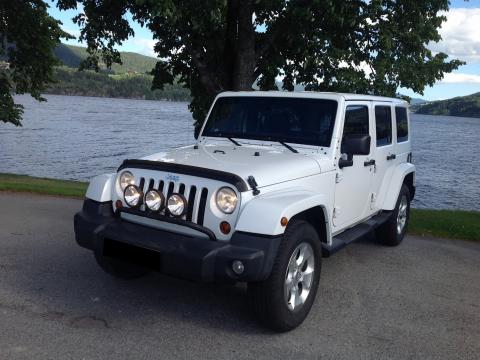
<point>315,95</point>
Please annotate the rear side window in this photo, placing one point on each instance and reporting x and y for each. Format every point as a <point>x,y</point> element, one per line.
<point>402,124</point>
<point>383,121</point>
<point>356,120</point>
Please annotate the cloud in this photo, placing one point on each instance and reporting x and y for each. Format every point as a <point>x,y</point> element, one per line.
<point>459,78</point>
<point>73,32</point>
<point>141,45</point>
<point>460,35</point>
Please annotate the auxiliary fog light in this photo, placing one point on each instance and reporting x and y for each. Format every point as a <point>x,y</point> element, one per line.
<point>177,205</point>
<point>133,196</point>
<point>238,267</point>
<point>154,200</point>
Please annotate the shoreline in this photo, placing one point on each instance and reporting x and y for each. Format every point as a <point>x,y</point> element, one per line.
<point>450,224</point>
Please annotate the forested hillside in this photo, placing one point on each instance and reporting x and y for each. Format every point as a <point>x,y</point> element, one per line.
<point>129,80</point>
<point>465,106</point>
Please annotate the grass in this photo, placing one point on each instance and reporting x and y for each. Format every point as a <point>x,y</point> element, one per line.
<point>24,183</point>
<point>453,224</point>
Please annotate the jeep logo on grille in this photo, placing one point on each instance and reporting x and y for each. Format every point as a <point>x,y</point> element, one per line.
<point>171,177</point>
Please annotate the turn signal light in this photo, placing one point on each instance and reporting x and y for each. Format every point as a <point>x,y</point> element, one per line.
<point>118,204</point>
<point>283,221</point>
<point>225,227</point>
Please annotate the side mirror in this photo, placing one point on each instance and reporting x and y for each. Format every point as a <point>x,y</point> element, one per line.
<point>196,132</point>
<point>356,144</point>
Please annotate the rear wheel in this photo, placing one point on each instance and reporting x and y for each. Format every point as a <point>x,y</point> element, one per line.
<point>283,301</point>
<point>393,231</point>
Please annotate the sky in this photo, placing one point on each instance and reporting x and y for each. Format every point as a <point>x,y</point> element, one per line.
<point>460,40</point>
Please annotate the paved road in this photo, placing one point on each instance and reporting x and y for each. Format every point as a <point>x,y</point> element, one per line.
<point>419,300</point>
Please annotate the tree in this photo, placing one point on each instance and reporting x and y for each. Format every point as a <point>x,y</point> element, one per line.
<point>216,45</point>
<point>28,36</point>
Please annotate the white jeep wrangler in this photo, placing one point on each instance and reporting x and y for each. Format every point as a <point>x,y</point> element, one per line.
<point>275,181</point>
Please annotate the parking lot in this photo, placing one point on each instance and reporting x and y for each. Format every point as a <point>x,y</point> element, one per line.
<point>418,300</point>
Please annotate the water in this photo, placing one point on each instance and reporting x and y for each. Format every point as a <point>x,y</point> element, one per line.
<point>73,137</point>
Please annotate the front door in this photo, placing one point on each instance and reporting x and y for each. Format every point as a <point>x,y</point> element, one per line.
<point>353,183</point>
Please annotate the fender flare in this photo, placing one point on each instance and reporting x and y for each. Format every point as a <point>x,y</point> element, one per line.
<point>100,187</point>
<point>399,174</point>
<point>262,214</point>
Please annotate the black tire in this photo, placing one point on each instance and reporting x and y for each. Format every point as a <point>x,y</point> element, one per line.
<point>267,298</point>
<point>388,233</point>
<point>120,269</point>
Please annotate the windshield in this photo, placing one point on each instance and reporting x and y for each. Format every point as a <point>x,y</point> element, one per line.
<point>293,120</point>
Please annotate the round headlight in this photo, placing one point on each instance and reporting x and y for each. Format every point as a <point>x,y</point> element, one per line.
<point>177,205</point>
<point>126,178</point>
<point>133,196</point>
<point>154,200</point>
<point>226,200</point>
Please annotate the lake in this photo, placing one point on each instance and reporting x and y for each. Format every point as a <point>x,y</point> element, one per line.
<point>72,137</point>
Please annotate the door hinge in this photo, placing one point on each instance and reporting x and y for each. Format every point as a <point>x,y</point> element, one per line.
<point>338,177</point>
<point>373,199</point>
<point>336,212</point>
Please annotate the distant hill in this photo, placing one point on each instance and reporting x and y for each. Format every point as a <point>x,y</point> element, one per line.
<point>129,80</point>
<point>417,101</point>
<point>464,106</point>
<point>72,56</point>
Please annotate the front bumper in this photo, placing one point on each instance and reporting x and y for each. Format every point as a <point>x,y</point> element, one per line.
<point>180,255</point>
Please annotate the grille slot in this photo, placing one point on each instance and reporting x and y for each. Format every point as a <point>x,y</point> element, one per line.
<point>150,184</point>
<point>191,200</point>
<point>201,207</point>
<point>170,189</point>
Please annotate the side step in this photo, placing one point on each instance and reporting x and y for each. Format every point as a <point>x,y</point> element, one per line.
<point>358,231</point>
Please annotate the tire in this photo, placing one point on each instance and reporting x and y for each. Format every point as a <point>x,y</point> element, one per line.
<point>393,231</point>
<point>271,302</point>
<point>120,269</point>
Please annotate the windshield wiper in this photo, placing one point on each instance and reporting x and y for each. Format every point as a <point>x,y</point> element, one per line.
<point>234,141</point>
<point>288,147</point>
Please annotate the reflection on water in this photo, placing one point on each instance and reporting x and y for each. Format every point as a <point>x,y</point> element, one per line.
<point>75,137</point>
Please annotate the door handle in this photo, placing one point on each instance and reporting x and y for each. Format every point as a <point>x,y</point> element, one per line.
<point>369,163</point>
<point>391,157</point>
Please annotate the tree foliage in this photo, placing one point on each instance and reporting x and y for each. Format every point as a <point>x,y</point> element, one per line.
<point>215,45</point>
<point>28,36</point>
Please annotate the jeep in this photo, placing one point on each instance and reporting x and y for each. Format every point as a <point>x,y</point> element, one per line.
<point>274,182</point>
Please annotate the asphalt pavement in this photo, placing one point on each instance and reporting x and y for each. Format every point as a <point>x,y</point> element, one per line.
<point>418,300</point>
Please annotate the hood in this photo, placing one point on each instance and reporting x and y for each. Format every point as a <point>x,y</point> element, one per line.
<point>268,166</point>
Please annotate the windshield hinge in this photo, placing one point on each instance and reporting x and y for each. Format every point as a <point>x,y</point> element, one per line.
<point>253,184</point>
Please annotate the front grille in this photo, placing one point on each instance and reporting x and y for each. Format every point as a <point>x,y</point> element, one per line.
<point>196,197</point>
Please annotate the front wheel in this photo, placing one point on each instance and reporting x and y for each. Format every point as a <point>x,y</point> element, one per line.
<point>283,301</point>
<point>393,231</point>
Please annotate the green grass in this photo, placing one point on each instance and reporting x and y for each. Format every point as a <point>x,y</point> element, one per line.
<point>454,224</point>
<point>24,183</point>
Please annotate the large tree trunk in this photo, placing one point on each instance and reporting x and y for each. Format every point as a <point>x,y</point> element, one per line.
<point>239,49</point>
<point>245,60</point>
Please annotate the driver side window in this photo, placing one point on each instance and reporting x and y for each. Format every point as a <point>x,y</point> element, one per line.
<point>356,122</point>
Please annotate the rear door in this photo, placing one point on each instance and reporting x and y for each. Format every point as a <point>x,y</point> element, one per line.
<point>384,148</point>
<point>353,183</point>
